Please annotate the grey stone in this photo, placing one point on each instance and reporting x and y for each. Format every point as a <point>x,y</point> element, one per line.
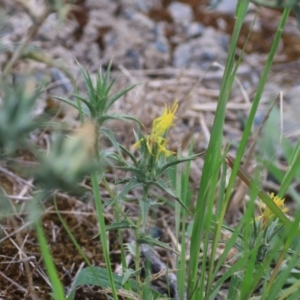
<point>146,5</point>
<point>142,22</point>
<point>162,45</point>
<point>181,13</point>
<point>157,54</point>
<point>182,55</point>
<point>64,85</point>
<point>194,29</point>
<point>202,51</point>
<point>224,6</point>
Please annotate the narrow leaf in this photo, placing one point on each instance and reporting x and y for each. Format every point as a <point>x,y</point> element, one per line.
<point>118,117</point>
<point>130,155</point>
<point>132,184</point>
<point>177,161</point>
<point>114,98</point>
<point>120,225</point>
<point>161,184</point>
<point>148,240</point>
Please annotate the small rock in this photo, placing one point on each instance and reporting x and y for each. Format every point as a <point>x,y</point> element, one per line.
<point>224,6</point>
<point>162,45</point>
<point>202,51</point>
<point>128,13</point>
<point>182,55</point>
<point>194,29</point>
<point>157,54</point>
<point>181,13</point>
<point>145,5</point>
<point>132,59</point>
<point>63,84</point>
<point>142,22</point>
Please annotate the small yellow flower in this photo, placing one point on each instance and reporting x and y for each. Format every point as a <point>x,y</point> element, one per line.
<point>160,126</point>
<point>163,123</point>
<point>267,215</point>
<point>160,143</point>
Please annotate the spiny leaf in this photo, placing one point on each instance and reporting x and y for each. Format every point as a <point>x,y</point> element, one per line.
<point>117,117</point>
<point>161,184</point>
<point>132,184</point>
<point>120,225</point>
<point>115,97</point>
<point>177,161</point>
<point>130,155</point>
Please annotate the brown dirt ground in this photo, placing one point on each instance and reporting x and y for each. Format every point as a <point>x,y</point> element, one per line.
<point>197,92</point>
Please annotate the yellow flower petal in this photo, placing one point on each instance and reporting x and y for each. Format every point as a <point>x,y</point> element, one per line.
<point>155,139</point>
<point>266,214</point>
<point>163,123</point>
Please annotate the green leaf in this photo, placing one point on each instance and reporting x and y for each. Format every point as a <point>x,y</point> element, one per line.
<point>87,103</point>
<point>144,209</point>
<point>120,225</point>
<point>132,184</point>
<point>114,98</point>
<point>110,135</point>
<point>96,276</point>
<point>99,277</point>
<point>136,171</point>
<point>104,118</point>
<point>58,291</point>
<point>73,103</point>
<point>161,184</point>
<point>148,240</point>
<point>130,155</point>
<point>129,273</point>
<point>176,162</point>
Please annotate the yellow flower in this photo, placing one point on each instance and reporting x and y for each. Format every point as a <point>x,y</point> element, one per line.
<point>267,215</point>
<point>163,123</point>
<point>160,126</point>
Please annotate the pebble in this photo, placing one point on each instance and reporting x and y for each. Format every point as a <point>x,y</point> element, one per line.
<point>142,22</point>
<point>181,13</point>
<point>157,54</point>
<point>194,29</point>
<point>62,81</point>
<point>202,51</point>
<point>181,55</point>
<point>162,45</point>
<point>224,6</point>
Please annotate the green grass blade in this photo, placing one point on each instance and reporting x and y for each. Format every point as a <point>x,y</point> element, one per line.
<point>212,158</point>
<point>251,117</point>
<point>181,275</point>
<point>102,228</point>
<point>292,170</point>
<point>57,288</point>
<point>73,239</point>
<point>291,234</point>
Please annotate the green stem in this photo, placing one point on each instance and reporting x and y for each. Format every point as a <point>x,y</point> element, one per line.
<point>102,228</point>
<point>117,212</point>
<point>137,255</point>
<point>57,288</point>
<point>140,224</point>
